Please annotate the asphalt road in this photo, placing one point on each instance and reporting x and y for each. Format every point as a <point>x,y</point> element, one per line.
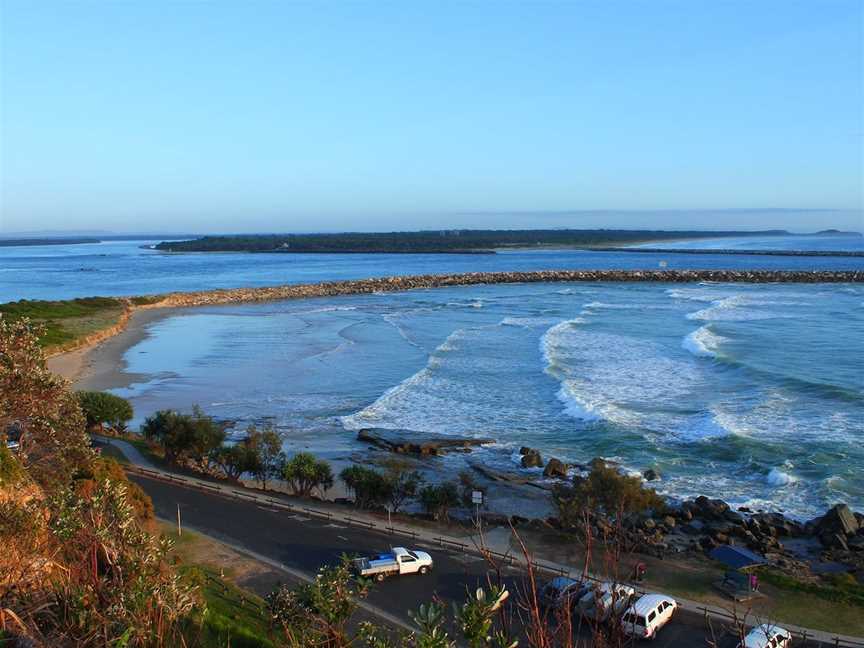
<point>305,543</point>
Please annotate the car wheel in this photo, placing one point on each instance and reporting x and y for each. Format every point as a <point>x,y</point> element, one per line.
<point>424,570</point>
<point>379,577</point>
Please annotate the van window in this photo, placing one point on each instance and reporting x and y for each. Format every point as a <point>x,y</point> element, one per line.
<point>651,616</point>
<point>634,619</point>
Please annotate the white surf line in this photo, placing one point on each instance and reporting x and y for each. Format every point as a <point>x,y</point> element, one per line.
<point>300,575</point>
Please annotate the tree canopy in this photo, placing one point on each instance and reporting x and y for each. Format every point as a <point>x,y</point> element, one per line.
<point>102,408</point>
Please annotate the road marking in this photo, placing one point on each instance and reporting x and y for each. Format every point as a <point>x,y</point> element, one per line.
<point>335,526</point>
<point>302,518</point>
<point>342,538</point>
<point>296,573</point>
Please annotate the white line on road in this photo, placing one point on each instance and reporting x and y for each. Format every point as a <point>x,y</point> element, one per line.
<point>296,573</point>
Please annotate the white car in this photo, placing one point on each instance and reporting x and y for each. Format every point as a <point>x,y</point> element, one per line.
<point>767,636</point>
<point>646,616</point>
<point>398,562</point>
<point>604,600</point>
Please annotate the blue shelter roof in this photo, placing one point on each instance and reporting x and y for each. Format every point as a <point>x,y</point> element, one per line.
<point>737,557</point>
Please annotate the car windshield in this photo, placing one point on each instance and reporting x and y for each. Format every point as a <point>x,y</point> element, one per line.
<point>412,554</point>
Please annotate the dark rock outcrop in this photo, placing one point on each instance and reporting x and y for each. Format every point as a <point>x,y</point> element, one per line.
<point>555,468</point>
<point>531,458</point>
<point>423,443</point>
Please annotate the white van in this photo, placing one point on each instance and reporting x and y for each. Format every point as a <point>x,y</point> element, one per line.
<point>646,616</point>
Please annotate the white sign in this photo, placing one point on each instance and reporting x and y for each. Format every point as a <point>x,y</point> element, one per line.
<point>476,497</point>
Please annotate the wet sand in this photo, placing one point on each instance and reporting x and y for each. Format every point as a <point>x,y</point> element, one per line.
<point>101,366</point>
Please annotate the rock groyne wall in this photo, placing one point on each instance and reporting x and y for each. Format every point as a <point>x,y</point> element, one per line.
<point>412,282</point>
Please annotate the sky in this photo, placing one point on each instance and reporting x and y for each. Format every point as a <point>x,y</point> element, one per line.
<point>326,116</point>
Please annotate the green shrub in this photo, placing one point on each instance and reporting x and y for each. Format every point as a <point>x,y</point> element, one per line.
<point>605,492</point>
<point>438,499</point>
<point>371,489</point>
<point>305,474</point>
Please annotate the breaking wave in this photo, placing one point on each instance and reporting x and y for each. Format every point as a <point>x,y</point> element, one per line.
<point>703,342</point>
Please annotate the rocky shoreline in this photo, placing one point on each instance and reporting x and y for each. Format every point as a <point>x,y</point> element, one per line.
<point>831,542</point>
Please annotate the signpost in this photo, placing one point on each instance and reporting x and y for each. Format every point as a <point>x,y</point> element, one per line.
<point>477,500</point>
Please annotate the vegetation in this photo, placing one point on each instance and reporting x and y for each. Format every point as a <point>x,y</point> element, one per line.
<point>78,567</point>
<point>438,499</point>
<point>838,588</point>
<point>306,474</point>
<point>185,438</point>
<point>266,446</point>
<point>403,483</point>
<point>431,241</point>
<point>373,489</point>
<point>233,616</point>
<point>605,492</point>
<point>101,408</point>
<point>369,487</point>
<point>64,322</point>
<point>235,460</point>
<point>71,240</point>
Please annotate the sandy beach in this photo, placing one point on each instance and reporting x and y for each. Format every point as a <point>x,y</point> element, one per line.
<point>101,366</point>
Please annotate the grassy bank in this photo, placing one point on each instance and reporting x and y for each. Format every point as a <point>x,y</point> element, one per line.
<point>235,615</point>
<point>67,323</point>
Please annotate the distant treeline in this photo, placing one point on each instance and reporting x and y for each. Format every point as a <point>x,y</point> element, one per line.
<point>439,241</point>
<point>46,241</point>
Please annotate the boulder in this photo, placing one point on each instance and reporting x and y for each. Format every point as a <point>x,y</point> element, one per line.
<point>532,459</point>
<point>834,541</point>
<point>651,475</point>
<point>838,519</point>
<point>555,468</point>
<point>710,509</point>
<point>669,521</point>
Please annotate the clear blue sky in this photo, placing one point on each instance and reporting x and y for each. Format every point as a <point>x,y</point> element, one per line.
<point>243,116</point>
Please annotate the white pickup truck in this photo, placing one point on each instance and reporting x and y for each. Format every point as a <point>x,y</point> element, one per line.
<point>396,563</point>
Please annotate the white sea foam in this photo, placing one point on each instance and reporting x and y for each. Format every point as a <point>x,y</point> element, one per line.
<point>393,320</point>
<point>324,309</point>
<point>778,478</point>
<point>621,379</point>
<point>530,322</point>
<point>598,305</point>
<point>703,342</point>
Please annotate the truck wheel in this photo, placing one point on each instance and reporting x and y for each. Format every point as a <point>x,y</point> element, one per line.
<point>424,570</point>
<point>379,577</point>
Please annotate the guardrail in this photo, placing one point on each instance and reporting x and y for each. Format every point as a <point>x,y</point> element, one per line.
<point>444,543</point>
<point>798,634</point>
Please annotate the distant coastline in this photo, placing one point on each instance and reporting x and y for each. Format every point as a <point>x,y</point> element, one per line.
<point>739,252</point>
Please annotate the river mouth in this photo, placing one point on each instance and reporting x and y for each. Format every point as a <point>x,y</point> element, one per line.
<point>747,392</point>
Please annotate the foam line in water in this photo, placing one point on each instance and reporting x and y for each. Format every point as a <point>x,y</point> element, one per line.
<point>703,342</point>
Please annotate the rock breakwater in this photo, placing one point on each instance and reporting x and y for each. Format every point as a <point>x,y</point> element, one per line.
<point>413,282</point>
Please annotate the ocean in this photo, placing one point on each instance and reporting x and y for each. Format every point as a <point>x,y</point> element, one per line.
<point>752,393</point>
<point>116,268</point>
